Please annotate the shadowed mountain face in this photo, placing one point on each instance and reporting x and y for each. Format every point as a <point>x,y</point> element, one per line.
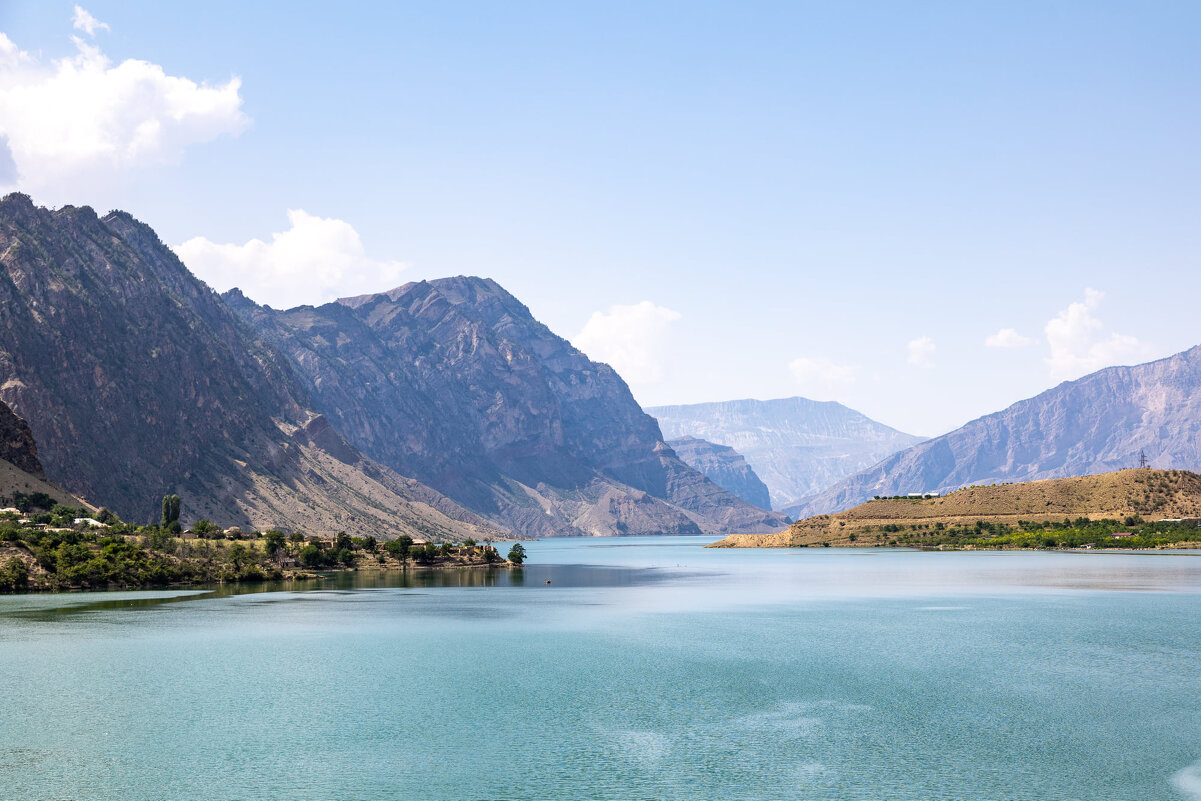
<point>16,442</point>
<point>455,383</point>
<point>137,380</point>
<point>725,467</point>
<point>797,446</point>
<point>1096,424</point>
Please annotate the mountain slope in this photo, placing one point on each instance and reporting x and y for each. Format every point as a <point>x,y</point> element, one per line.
<point>137,380</point>
<point>20,469</point>
<point>797,446</point>
<point>723,466</point>
<point>1095,424</point>
<point>454,382</point>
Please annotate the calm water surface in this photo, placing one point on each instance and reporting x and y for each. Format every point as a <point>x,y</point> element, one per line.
<point>646,669</point>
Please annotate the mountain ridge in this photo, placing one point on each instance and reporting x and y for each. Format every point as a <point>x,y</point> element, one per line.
<point>454,382</point>
<point>724,466</point>
<point>137,380</point>
<point>1097,423</point>
<point>796,446</point>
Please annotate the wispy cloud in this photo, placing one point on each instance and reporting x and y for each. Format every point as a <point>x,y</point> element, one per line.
<point>83,21</point>
<point>820,376</point>
<point>316,260</point>
<point>1007,338</point>
<point>921,352</point>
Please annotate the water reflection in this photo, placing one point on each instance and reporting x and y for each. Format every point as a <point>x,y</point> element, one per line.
<point>50,606</point>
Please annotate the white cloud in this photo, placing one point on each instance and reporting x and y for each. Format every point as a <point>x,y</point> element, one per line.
<point>821,375</point>
<point>630,339</point>
<point>921,352</point>
<point>316,260</point>
<point>82,117</point>
<point>83,21</point>
<point>1007,338</point>
<point>1079,343</point>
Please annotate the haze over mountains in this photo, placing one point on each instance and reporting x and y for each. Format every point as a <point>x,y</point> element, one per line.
<point>136,380</point>
<point>797,446</point>
<point>724,466</point>
<point>1096,424</point>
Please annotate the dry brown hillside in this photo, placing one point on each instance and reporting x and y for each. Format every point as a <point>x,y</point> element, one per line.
<point>13,479</point>
<point>1150,494</point>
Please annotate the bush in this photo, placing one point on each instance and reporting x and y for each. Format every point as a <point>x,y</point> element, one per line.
<point>517,554</point>
<point>14,575</point>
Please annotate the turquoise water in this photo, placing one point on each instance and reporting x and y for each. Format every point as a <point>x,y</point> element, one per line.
<point>646,669</point>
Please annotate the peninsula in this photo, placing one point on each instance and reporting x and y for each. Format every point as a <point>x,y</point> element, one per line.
<point>1135,508</point>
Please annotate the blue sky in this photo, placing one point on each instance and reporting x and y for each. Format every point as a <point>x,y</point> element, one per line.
<point>846,201</point>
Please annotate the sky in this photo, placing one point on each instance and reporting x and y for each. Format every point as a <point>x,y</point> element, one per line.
<point>926,211</point>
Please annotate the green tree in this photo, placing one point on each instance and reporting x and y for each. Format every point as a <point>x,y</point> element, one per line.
<point>14,575</point>
<point>273,541</point>
<point>400,547</point>
<point>342,542</point>
<point>239,556</point>
<point>170,509</point>
<point>206,529</point>
<point>312,556</point>
<point>517,554</point>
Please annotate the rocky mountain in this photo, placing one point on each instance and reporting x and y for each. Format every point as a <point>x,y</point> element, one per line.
<point>20,470</point>
<point>137,380</point>
<point>455,383</point>
<point>723,466</point>
<point>17,446</point>
<point>797,446</point>
<point>1092,425</point>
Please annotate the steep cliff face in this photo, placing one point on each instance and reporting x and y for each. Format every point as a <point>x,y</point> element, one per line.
<point>455,383</point>
<point>723,466</point>
<point>16,442</point>
<point>797,446</point>
<point>1096,424</point>
<point>138,380</point>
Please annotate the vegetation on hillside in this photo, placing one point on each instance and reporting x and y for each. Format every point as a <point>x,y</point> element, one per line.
<point>1137,508</point>
<point>1083,532</point>
<point>64,547</point>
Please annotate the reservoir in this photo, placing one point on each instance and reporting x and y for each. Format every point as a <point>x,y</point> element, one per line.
<point>647,668</point>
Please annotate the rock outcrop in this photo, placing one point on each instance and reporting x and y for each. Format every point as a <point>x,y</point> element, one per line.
<point>137,380</point>
<point>1096,424</point>
<point>16,442</point>
<point>797,446</point>
<point>455,383</point>
<point>725,467</point>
